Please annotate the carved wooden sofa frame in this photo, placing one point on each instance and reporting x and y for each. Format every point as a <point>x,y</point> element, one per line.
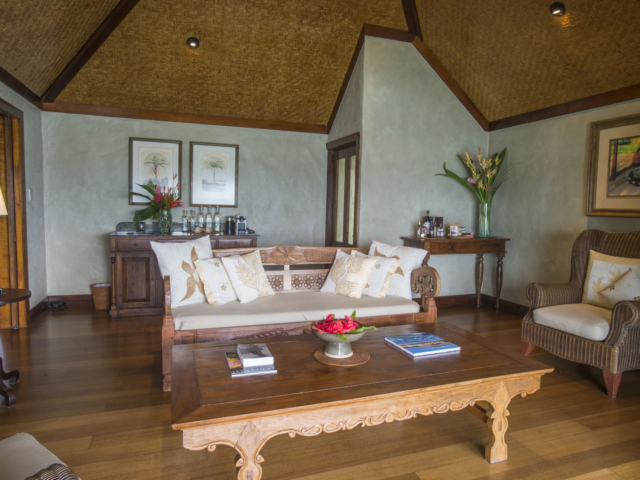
<point>425,282</point>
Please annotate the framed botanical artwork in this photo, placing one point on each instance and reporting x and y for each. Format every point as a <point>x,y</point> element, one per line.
<point>213,169</point>
<point>613,185</point>
<point>154,162</point>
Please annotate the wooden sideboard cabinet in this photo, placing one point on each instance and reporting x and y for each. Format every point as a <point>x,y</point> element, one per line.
<point>137,285</point>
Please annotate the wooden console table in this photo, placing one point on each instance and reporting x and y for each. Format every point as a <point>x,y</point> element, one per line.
<point>10,295</point>
<point>466,245</point>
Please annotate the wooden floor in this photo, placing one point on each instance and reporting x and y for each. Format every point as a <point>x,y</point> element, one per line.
<point>90,390</point>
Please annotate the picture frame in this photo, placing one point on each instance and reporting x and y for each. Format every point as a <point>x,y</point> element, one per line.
<point>613,179</point>
<point>213,172</point>
<point>153,160</point>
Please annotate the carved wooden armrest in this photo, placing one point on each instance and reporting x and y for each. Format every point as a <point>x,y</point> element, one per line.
<point>625,317</point>
<point>425,281</point>
<point>167,299</point>
<point>549,294</point>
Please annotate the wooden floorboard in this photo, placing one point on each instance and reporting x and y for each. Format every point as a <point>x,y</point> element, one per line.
<point>90,390</point>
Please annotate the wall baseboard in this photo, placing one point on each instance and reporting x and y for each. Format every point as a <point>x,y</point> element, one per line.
<point>456,300</point>
<point>72,301</point>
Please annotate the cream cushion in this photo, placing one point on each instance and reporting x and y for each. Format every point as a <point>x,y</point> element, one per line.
<point>380,278</point>
<point>217,286</point>
<point>287,308</point>
<point>602,272</point>
<point>580,319</point>
<point>348,275</point>
<point>409,258</point>
<point>627,287</point>
<point>177,261</point>
<point>22,456</point>
<point>247,276</point>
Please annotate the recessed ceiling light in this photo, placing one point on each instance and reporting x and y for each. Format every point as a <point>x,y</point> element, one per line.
<point>193,42</point>
<point>557,9</point>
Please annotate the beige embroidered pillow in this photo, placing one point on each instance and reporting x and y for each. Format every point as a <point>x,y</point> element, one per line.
<point>348,275</point>
<point>380,277</point>
<point>627,287</point>
<point>409,258</point>
<point>247,276</point>
<point>602,272</point>
<point>177,261</point>
<point>217,286</point>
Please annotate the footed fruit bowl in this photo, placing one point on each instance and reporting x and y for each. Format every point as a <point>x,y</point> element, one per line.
<point>339,334</point>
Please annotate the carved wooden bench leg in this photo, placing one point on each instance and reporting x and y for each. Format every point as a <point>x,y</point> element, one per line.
<point>5,391</point>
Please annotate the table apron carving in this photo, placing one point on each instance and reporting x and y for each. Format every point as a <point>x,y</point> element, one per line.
<point>248,436</point>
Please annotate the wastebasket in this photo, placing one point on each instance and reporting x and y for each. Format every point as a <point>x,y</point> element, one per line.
<point>101,295</point>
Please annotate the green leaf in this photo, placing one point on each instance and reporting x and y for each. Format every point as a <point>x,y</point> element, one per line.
<point>144,214</point>
<point>464,183</point>
<point>353,315</point>
<point>341,336</point>
<point>149,189</point>
<point>141,195</point>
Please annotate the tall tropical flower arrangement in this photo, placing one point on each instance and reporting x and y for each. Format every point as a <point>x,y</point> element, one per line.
<point>485,176</point>
<point>161,201</point>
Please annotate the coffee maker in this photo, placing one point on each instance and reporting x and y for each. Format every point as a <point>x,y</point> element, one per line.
<point>241,224</point>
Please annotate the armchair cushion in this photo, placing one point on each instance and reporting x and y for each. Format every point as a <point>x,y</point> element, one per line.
<point>602,272</point>
<point>580,319</point>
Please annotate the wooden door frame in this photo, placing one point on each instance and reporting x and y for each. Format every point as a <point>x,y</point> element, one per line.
<point>17,116</point>
<point>332,148</point>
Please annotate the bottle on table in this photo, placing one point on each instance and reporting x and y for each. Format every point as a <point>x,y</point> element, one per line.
<point>427,224</point>
<point>192,220</point>
<point>185,220</point>
<point>200,218</point>
<point>208,220</point>
<point>419,231</point>
<point>440,231</point>
<point>217,223</point>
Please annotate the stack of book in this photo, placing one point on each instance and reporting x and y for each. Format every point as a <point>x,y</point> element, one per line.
<point>250,359</point>
<point>421,344</point>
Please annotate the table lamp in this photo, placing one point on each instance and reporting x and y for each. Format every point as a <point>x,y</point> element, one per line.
<point>3,211</point>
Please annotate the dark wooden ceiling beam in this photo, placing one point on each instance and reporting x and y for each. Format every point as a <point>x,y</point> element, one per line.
<point>19,87</point>
<point>411,15</point>
<point>595,101</point>
<point>135,113</point>
<point>98,37</point>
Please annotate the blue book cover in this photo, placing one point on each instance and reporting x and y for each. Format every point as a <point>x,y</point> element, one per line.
<point>421,344</point>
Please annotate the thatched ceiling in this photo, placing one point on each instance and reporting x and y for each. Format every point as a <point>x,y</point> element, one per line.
<point>285,60</point>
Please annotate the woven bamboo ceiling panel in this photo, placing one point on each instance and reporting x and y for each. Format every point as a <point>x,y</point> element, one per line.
<point>38,38</point>
<point>279,60</point>
<point>513,57</point>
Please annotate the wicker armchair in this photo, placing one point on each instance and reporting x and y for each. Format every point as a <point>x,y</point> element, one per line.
<point>620,350</point>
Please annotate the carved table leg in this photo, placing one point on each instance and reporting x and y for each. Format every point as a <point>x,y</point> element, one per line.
<point>499,281</point>
<point>479,276</point>
<point>7,392</point>
<point>496,449</point>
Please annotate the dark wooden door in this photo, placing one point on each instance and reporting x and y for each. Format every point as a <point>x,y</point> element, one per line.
<point>138,275</point>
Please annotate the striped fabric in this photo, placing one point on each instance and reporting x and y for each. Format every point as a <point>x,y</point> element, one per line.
<point>620,351</point>
<point>54,472</point>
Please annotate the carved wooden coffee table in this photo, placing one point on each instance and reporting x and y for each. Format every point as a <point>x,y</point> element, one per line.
<point>309,398</point>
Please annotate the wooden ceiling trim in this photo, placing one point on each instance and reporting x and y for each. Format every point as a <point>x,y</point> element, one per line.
<point>451,82</point>
<point>134,113</point>
<point>19,87</point>
<point>595,101</point>
<point>98,37</point>
<point>411,14</point>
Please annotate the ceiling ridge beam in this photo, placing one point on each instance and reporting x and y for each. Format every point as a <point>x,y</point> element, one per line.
<point>451,83</point>
<point>595,101</point>
<point>140,114</point>
<point>95,41</point>
<point>20,88</point>
<point>411,15</point>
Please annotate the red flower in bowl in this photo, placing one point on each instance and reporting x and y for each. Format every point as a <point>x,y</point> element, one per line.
<point>340,327</point>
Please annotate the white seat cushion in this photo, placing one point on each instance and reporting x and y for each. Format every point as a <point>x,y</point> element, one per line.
<point>287,308</point>
<point>22,456</point>
<point>580,319</point>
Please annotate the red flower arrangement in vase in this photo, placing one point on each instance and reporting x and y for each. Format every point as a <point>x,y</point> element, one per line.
<point>161,201</point>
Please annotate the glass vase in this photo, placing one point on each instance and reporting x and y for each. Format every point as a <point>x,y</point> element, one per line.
<point>164,222</point>
<point>484,220</point>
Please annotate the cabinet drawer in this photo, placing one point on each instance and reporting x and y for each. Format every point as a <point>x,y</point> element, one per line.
<point>235,242</point>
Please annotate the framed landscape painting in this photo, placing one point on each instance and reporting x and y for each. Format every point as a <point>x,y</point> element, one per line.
<point>153,162</point>
<point>213,168</point>
<point>613,187</point>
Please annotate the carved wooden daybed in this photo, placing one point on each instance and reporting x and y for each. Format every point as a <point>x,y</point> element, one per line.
<point>184,325</point>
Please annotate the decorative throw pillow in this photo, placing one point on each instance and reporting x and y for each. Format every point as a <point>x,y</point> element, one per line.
<point>409,258</point>
<point>602,272</point>
<point>56,471</point>
<point>177,261</point>
<point>627,287</point>
<point>380,277</point>
<point>348,275</point>
<point>247,276</point>
<point>217,286</point>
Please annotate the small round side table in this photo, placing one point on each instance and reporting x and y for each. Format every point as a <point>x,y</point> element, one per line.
<point>10,295</point>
